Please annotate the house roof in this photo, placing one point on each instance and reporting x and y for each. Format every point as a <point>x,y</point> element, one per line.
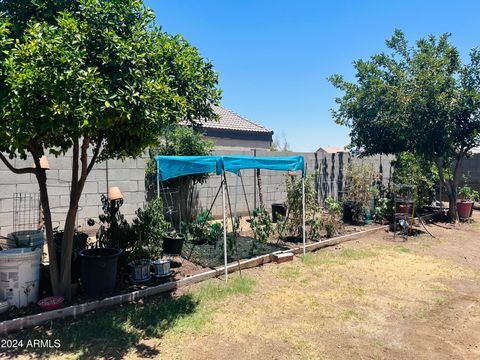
<point>331,149</point>
<point>229,120</point>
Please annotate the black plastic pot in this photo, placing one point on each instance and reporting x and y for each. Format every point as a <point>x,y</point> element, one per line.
<point>347,212</point>
<point>99,270</point>
<point>278,211</point>
<point>79,243</point>
<point>173,245</point>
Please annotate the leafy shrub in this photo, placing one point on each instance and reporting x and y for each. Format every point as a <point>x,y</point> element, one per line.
<point>261,224</point>
<point>148,228</point>
<point>114,230</point>
<point>411,169</point>
<point>360,189</point>
<point>383,207</point>
<point>467,193</point>
<point>292,223</point>
<point>334,212</point>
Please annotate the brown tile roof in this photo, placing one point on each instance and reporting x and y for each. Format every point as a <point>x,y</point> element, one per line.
<point>229,120</point>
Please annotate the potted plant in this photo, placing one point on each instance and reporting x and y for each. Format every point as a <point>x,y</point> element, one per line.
<point>99,264</point>
<point>139,264</point>
<point>467,198</point>
<point>148,229</point>
<point>173,243</point>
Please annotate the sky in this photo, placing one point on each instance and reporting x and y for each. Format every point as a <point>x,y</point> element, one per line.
<point>273,57</point>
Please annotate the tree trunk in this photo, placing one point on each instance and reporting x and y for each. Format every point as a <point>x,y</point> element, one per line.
<point>451,184</point>
<point>69,229</point>
<point>52,255</point>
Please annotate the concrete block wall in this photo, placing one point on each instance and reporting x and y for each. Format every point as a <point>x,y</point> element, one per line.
<point>128,175</point>
<point>329,179</point>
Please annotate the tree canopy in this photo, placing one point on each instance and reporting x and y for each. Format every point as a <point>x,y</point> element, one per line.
<point>97,77</point>
<point>420,99</point>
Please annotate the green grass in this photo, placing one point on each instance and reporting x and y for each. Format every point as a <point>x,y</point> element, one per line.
<point>402,249</point>
<point>289,272</point>
<point>336,257</point>
<point>439,300</point>
<point>112,332</point>
<point>356,254</point>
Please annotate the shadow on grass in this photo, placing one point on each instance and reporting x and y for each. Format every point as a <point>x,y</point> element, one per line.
<point>109,333</point>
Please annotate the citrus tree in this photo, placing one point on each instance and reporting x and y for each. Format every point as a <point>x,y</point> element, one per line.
<point>97,78</point>
<point>420,99</point>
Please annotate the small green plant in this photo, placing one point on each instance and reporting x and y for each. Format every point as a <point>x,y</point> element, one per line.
<point>334,211</point>
<point>292,223</point>
<point>467,193</point>
<point>139,254</point>
<point>382,208</point>
<point>316,224</point>
<point>261,224</point>
<point>149,227</point>
<point>114,230</point>
<point>360,189</point>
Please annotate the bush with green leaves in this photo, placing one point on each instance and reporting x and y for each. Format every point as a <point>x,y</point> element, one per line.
<point>292,223</point>
<point>360,189</point>
<point>114,230</point>
<point>467,193</point>
<point>333,216</point>
<point>148,227</point>
<point>383,208</point>
<point>411,169</point>
<point>180,141</point>
<point>261,224</point>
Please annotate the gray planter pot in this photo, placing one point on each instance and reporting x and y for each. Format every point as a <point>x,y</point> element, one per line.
<point>161,267</point>
<point>140,270</point>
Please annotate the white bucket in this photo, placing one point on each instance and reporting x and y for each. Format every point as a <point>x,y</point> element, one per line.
<point>32,238</point>
<point>20,275</point>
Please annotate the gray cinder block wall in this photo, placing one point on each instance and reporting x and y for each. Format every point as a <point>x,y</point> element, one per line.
<point>329,179</point>
<point>128,175</point>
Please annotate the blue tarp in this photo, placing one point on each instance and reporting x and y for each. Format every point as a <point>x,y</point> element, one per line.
<point>285,163</point>
<point>175,166</point>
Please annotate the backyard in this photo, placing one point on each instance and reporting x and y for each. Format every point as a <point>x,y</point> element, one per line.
<point>370,298</point>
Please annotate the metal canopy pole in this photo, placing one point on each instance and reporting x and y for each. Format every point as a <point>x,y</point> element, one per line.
<point>224,230</point>
<point>303,213</point>
<point>158,178</point>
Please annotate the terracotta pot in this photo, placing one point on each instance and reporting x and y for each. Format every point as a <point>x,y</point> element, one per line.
<point>404,208</point>
<point>114,193</point>
<point>464,209</point>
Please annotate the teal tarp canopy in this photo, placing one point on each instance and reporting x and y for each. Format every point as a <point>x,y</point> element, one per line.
<point>174,166</point>
<point>286,163</point>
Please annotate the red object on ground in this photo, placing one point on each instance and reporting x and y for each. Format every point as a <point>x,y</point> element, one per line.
<point>403,208</point>
<point>51,303</point>
<point>464,209</point>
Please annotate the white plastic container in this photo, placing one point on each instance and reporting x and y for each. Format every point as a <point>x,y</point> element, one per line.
<point>20,276</point>
<point>33,238</point>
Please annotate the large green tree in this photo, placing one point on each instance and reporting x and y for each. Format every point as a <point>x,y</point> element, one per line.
<point>417,98</point>
<point>96,77</point>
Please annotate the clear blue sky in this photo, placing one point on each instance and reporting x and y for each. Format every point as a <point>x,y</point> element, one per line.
<point>273,57</point>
